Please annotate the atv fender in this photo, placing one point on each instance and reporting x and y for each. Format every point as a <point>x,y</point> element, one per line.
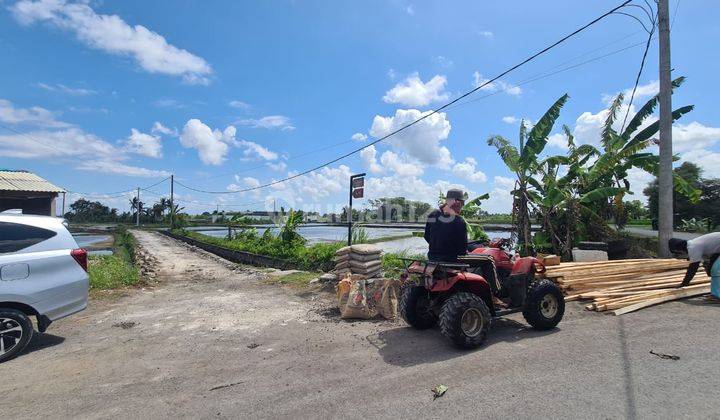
<point>527,265</point>
<point>467,282</point>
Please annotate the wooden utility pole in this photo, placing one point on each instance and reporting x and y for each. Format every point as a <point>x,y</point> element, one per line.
<point>172,201</point>
<point>665,172</point>
<point>137,209</point>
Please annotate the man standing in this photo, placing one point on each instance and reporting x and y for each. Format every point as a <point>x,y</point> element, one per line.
<point>706,249</point>
<point>446,230</point>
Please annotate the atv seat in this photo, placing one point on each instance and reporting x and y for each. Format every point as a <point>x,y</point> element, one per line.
<point>484,265</point>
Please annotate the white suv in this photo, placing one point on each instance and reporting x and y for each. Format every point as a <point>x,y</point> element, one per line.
<point>43,273</point>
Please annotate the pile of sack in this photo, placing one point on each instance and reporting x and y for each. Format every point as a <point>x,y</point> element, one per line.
<point>363,260</point>
<point>360,298</point>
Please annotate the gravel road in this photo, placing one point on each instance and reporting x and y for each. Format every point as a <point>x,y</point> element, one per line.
<point>214,340</point>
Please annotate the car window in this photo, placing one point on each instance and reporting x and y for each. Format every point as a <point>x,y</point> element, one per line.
<point>16,236</point>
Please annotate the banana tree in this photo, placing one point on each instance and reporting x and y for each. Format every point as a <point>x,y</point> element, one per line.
<point>523,161</point>
<point>624,151</point>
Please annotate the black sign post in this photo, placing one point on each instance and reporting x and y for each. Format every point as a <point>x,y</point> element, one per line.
<point>357,184</point>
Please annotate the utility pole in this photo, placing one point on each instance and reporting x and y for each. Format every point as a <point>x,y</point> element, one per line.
<point>63,205</point>
<point>357,182</point>
<point>665,171</point>
<point>137,218</point>
<point>172,201</point>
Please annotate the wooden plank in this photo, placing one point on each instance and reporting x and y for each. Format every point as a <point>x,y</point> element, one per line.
<point>680,294</point>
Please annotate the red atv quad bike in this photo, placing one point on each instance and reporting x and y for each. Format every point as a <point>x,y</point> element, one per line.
<point>463,298</point>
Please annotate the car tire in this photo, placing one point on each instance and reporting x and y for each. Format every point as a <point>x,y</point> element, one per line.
<point>544,305</point>
<point>465,319</point>
<point>16,330</point>
<point>414,308</point>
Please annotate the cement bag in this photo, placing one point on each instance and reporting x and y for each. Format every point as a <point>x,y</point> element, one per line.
<point>342,251</point>
<point>364,267</point>
<point>342,258</point>
<point>364,249</point>
<point>387,304</point>
<point>352,299</point>
<point>364,257</point>
<point>342,264</point>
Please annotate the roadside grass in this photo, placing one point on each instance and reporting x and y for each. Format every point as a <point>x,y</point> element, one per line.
<point>300,278</point>
<point>111,272</point>
<point>117,270</point>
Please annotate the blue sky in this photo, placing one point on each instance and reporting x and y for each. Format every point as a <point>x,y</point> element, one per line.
<point>228,95</point>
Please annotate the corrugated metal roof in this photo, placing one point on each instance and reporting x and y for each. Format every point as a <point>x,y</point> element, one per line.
<point>25,181</point>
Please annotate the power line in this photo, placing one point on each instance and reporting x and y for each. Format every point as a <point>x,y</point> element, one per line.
<point>435,111</point>
<point>123,191</point>
<point>538,76</point>
<point>639,74</point>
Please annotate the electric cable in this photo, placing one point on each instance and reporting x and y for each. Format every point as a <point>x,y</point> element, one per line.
<point>428,114</point>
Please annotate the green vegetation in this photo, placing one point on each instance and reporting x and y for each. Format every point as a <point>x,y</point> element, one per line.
<point>117,270</point>
<point>111,272</point>
<point>574,195</point>
<point>393,265</point>
<point>696,216</point>
<point>301,278</point>
<point>286,245</point>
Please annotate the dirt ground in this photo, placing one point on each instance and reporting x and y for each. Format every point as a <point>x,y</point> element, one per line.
<point>213,340</point>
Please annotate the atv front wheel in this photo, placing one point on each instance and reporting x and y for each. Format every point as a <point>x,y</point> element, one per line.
<point>465,319</point>
<point>414,307</point>
<point>544,305</point>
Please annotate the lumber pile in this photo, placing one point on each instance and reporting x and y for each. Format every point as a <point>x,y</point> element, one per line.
<point>624,286</point>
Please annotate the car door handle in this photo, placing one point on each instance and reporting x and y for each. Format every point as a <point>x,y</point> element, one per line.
<point>12,272</point>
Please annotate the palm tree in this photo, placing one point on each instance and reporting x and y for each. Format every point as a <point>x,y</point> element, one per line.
<point>523,162</point>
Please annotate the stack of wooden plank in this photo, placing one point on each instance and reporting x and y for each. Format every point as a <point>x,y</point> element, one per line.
<point>625,286</point>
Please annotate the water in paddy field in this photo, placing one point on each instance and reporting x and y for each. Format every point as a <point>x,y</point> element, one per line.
<point>91,240</point>
<point>319,234</point>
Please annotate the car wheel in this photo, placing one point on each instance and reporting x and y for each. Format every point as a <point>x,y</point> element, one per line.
<point>544,305</point>
<point>16,330</point>
<point>465,319</point>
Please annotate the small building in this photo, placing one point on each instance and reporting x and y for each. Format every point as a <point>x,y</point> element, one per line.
<point>28,192</point>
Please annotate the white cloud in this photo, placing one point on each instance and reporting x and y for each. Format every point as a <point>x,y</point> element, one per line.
<point>169,103</point>
<point>468,171</point>
<point>94,153</point>
<point>239,104</point>
<point>391,74</point>
<point>693,136</point>
<point>161,129</point>
<point>638,180</point>
<point>270,122</point>
<point>401,165</point>
<point>369,158</point>
<point>112,34</point>
<point>359,137</point>
<point>707,160</point>
<point>498,85</point>
<point>501,199</point>
<point>409,9</point>
<point>420,141</point>
<point>117,168</point>
<point>256,151</point>
<point>60,88</point>
<point>143,144</point>
<point>414,92</point>
<point>486,34</point>
<point>33,116</point>
<point>510,119</point>
<point>412,188</point>
<point>558,140</point>
<point>211,144</point>
<point>444,62</point>
<point>279,166</point>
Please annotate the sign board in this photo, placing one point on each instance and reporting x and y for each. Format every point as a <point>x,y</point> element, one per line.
<point>358,192</point>
<point>358,182</point>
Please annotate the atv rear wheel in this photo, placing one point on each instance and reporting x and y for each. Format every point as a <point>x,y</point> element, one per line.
<point>544,305</point>
<point>414,307</point>
<point>465,319</point>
